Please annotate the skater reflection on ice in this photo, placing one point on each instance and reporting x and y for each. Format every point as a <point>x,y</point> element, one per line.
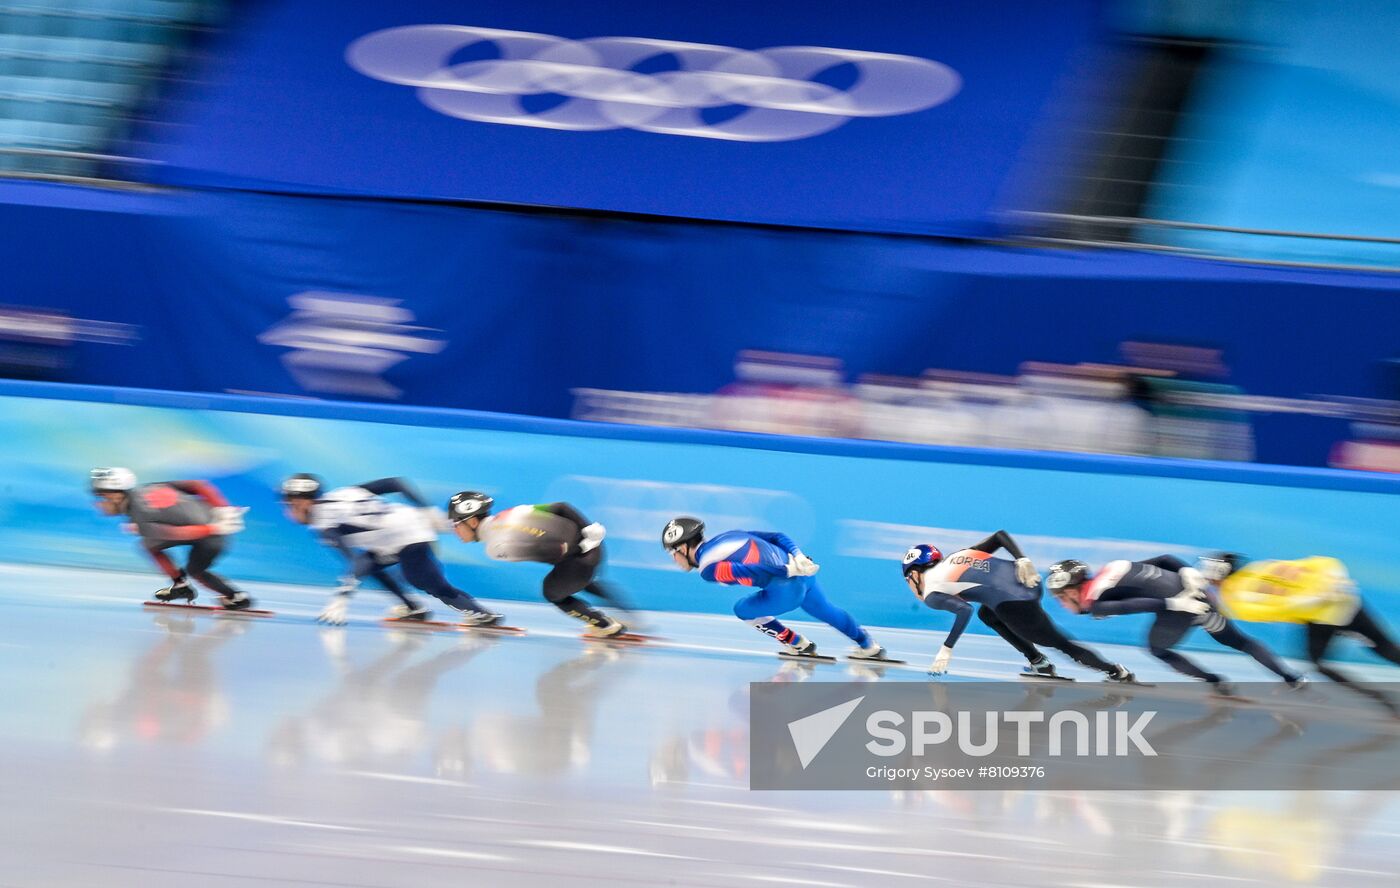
<point>172,694</point>
<point>558,738</point>
<point>378,711</point>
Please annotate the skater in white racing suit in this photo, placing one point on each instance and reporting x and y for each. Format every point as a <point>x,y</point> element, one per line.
<point>375,534</point>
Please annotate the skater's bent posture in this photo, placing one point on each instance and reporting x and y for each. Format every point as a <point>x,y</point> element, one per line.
<point>171,514</point>
<point>1176,593</point>
<point>1008,596</point>
<point>554,534</point>
<point>375,534</point>
<point>1316,593</point>
<point>775,567</point>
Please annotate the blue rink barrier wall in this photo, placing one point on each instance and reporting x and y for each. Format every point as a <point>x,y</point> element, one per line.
<point>854,506</point>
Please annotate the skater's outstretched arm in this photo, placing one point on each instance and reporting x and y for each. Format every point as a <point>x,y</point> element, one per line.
<point>999,540</point>
<point>961,610</point>
<point>202,489</point>
<point>564,510</point>
<point>361,564</point>
<point>590,534</point>
<point>781,540</point>
<point>1026,573</point>
<point>396,485</point>
<point>179,532</point>
<point>1121,606</point>
<point>734,574</point>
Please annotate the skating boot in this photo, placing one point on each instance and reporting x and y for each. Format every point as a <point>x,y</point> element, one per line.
<point>1041,668</point>
<point>802,647</point>
<point>1225,690</point>
<point>1121,675</point>
<point>875,651</point>
<point>607,630</point>
<point>180,590</point>
<point>480,619</point>
<point>236,602</point>
<point>405,614</point>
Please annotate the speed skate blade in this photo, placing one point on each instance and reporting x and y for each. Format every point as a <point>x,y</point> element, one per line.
<point>808,658</point>
<point>205,609</point>
<point>1032,676</point>
<point>876,661</point>
<point>498,629</point>
<point>622,638</point>
<point>425,625</point>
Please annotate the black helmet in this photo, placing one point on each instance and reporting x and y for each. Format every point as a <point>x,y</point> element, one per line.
<point>1219,565</point>
<point>469,504</point>
<point>682,530</point>
<point>1066,573</point>
<point>302,485</point>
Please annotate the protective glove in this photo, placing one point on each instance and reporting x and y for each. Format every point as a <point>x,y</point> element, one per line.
<point>227,520</point>
<point>335,611</point>
<point>1026,573</point>
<point>940,662</point>
<point>438,519</point>
<point>1188,603</point>
<point>347,585</point>
<point>1193,582</point>
<point>799,565</point>
<point>592,537</point>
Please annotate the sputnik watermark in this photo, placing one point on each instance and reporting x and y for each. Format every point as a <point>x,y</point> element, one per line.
<point>1067,735</point>
<point>1109,733</point>
<point>892,733</point>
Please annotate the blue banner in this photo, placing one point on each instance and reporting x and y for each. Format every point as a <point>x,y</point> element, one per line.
<point>886,116</point>
<point>853,507</point>
<point>491,310</point>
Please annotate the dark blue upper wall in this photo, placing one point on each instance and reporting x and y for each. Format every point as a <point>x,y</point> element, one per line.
<point>507,311</point>
<point>848,138</point>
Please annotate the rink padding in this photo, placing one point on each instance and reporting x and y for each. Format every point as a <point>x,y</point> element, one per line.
<point>854,506</point>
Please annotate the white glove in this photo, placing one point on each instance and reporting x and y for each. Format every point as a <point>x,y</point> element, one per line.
<point>335,611</point>
<point>1188,603</point>
<point>940,662</point>
<point>592,537</point>
<point>799,565</point>
<point>226,520</point>
<point>1193,582</point>
<point>1026,573</point>
<point>438,519</point>
<point>348,583</point>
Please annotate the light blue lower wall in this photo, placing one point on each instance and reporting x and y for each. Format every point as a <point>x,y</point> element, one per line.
<point>854,507</point>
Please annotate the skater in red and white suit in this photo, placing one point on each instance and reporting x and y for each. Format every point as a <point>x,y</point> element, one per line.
<point>170,514</point>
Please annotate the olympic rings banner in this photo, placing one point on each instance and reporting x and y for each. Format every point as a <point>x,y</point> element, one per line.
<point>885,115</point>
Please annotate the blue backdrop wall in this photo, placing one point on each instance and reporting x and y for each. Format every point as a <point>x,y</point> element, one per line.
<point>506,311</point>
<point>853,507</point>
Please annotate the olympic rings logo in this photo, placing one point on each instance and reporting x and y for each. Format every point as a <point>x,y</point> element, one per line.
<point>712,92</point>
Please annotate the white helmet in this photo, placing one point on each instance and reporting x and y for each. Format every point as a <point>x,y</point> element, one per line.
<point>112,479</point>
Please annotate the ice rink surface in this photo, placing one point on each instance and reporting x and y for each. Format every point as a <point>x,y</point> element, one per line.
<point>157,749</point>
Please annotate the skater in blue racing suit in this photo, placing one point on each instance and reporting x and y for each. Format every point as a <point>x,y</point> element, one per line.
<point>1007,595</point>
<point>776,568</point>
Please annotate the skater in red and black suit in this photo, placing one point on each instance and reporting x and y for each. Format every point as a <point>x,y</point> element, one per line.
<point>170,514</point>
